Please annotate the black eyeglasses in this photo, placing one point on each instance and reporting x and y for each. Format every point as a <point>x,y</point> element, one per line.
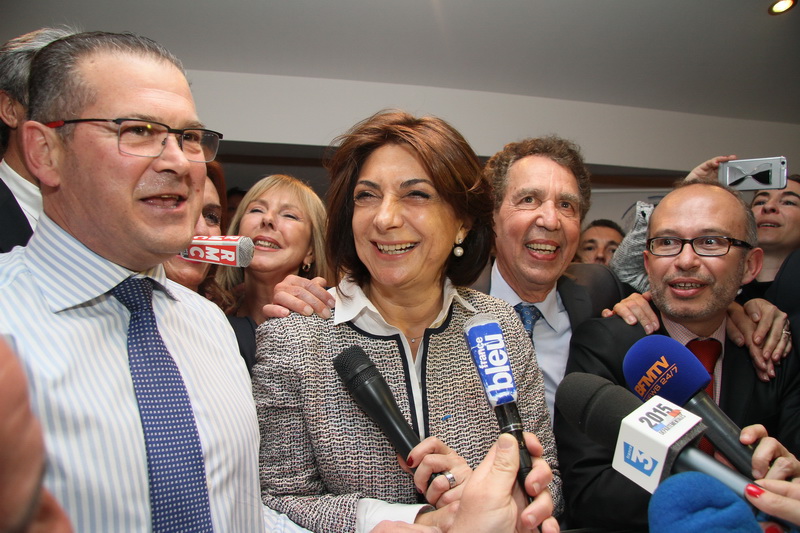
<point>706,245</point>
<point>144,138</point>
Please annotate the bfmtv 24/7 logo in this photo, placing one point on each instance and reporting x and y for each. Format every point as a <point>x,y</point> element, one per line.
<point>639,460</point>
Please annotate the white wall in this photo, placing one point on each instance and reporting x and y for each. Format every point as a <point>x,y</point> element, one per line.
<point>309,111</point>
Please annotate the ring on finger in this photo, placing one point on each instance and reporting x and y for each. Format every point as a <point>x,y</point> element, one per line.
<point>450,478</point>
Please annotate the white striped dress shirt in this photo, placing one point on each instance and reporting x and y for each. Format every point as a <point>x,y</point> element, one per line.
<point>71,336</point>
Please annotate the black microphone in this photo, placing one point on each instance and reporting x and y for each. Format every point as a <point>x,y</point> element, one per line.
<point>657,364</point>
<point>488,347</point>
<point>372,394</point>
<point>597,407</point>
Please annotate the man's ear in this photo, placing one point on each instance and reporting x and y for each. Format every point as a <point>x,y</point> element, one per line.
<point>42,148</point>
<point>752,265</point>
<point>11,111</point>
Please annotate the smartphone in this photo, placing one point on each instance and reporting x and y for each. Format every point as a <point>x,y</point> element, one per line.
<point>754,174</point>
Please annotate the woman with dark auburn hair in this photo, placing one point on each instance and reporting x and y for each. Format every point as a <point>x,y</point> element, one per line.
<point>409,227</point>
<point>196,275</point>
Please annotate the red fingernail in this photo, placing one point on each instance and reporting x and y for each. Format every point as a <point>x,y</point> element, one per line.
<point>774,529</point>
<point>753,490</point>
<point>410,462</point>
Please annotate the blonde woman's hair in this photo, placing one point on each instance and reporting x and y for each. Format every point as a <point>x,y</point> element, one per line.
<point>230,277</point>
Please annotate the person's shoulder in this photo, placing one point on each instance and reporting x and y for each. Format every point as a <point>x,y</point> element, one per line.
<point>12,266</point>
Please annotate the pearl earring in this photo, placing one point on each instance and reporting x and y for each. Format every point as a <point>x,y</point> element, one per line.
<point>458,251</point>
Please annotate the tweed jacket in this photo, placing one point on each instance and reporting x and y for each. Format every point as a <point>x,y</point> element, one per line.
<point>320,453</point>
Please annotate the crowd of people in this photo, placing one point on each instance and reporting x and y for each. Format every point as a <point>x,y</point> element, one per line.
<point>141,391</point>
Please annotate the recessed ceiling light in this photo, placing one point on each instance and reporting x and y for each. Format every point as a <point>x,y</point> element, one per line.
<point>781,6</point>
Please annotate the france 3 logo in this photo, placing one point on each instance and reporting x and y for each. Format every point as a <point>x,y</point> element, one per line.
<point>639,460</point>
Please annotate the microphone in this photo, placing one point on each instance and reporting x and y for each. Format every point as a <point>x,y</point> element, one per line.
<point>694,502</point>
<point>488,347</point>
<point>604,411</point>
<point>372,394</point>
<point>228,250</point>
<point>657,364</point>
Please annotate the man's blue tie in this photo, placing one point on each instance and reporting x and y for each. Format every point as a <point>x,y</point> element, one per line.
<point>529,314</point>
<point>176,471</point>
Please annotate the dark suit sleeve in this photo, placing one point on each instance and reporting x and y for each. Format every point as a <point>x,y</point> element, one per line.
<point>596,495</point>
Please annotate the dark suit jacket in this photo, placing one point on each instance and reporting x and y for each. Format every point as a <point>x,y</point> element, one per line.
<point>598,496</point>
<point>14,227</point>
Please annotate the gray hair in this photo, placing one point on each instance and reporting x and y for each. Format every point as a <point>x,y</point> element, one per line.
<point>56,88</point>
<point>15,65</point>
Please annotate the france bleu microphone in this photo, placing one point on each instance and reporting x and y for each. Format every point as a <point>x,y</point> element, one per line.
<point>228,250</point>
<point>372,394</point>
<point>661,365</point>
<point>488,348</point>
<point>598,408</point>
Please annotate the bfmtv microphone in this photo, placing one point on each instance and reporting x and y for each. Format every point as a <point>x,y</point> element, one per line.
<point>661,365</point>
<point>488,348</point>
<point>372,394</point>
<point>650,440</point>
<point>228,250</point>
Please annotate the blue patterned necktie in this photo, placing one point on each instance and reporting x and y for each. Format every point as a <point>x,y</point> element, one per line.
<point>529,314</point>
<point>176,471</point>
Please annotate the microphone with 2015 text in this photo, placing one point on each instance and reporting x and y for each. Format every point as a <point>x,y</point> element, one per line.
<point>228,250</point>
<point>660,365</point>
<point>488,348</point>
<point>650,440</point>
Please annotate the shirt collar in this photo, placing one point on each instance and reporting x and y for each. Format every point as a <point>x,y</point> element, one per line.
<point>549,307</point>
<point>681,334</point>
<point>70,274</point>
<point>358,309</point>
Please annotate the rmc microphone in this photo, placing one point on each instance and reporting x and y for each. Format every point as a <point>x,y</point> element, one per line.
<point>598,408</point>
<point>488,347</point>
<point>372,394</point>
<point>228,250</point>
<point>660,365</point>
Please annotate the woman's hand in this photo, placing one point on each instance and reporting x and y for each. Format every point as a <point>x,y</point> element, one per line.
<point>432,456</point>
<point>780,499</point>
<point>636,309</point>
<point>301,295</point>
<point>761,326</point>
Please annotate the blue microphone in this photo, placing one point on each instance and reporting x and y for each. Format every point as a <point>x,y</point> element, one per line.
<point>695,502</point>
<point>661,365</point>
<point>488,347</point>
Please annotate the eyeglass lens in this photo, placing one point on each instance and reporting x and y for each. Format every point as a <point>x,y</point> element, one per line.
<point>148,139</point>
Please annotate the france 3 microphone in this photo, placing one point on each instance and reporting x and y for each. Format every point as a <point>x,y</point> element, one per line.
<point>488,348</point>
<point>228,250</point>
<point>650,440</point>
<point>372,394</point>
<point>661,365</point>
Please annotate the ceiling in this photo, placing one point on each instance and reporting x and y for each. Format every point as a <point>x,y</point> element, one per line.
<point>712,57</point>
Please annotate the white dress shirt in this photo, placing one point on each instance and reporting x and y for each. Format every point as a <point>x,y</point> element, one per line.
<point>28,195</point>
<point>551,333</point>
<point>71,336</point>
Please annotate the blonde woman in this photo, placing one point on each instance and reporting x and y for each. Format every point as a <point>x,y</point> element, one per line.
<point>286,220</point>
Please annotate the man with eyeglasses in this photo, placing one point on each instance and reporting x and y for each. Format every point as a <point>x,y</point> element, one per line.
<point>700,250</point>
<point>144,401</point>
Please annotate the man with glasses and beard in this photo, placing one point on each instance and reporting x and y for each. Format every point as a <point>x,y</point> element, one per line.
<point>700,250</point>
